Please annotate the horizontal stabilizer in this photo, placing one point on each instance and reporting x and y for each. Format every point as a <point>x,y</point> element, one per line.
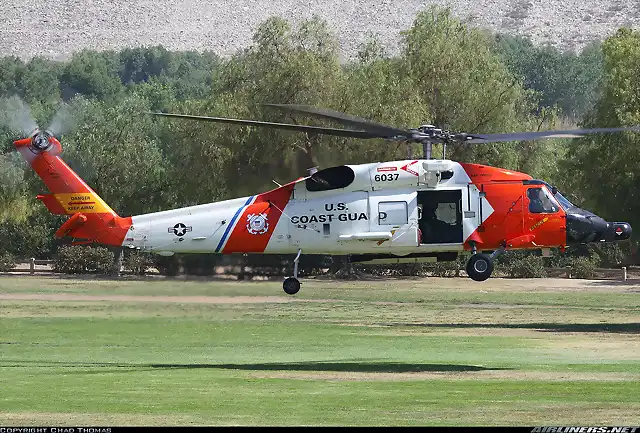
<point>52,204</point>
<point>73,223</point>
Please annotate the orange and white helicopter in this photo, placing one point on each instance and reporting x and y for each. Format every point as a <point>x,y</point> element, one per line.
<point>384,212</point>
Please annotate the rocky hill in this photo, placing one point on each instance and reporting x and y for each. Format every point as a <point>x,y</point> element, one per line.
<point>57,28</point>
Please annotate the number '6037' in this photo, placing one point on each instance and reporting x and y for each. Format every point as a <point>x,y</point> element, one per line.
<point>386,177</point>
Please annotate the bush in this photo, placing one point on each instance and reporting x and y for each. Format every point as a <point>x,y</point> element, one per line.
<point>7,262</point>
<point>137,262</point>
<point>525,267</point>
<point>76,259</point>
<point>168,265</point>
<point>391,270</point>
<point>611,255</point>
<point>582,267</point>
<point>448,269</point>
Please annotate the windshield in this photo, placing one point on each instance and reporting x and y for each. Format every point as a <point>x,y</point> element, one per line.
<point>566,204</point>
<point>562,200</point>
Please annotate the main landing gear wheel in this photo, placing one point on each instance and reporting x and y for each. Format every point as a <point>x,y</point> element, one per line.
<point>479,267</point>
<point>291,285</point>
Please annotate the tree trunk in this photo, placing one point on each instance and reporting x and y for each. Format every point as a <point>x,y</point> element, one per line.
<point>118,255</point>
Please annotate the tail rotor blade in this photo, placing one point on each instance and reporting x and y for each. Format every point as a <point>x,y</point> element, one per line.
<point>63,121</point>
<point>17,116</point>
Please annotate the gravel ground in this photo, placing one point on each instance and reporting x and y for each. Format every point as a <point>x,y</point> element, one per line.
<point>57,28</point>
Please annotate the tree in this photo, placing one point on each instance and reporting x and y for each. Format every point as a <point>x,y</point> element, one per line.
<point>464,83</point>
<point>39,81</point>
<point>92,74</point>
<point>602,168</point>
<point>282,66</point>
<point>115,151</point>
<point>564,79</point>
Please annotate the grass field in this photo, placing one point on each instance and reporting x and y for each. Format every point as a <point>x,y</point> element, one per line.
<point>386,352</point>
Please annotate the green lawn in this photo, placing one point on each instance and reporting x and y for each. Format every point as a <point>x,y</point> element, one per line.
<point>388,352</point>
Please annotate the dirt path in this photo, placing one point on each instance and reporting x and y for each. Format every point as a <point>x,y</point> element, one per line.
<point>165,299</point>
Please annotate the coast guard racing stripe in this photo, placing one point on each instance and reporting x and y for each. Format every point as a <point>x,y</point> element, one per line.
<point>258,221</point>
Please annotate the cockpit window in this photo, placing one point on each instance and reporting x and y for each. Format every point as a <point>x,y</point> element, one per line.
<point>541,201</point>
<point>566,204</point>
<point>562,200</point>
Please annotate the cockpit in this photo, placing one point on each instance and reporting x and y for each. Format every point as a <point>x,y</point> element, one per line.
<point>582,226</point>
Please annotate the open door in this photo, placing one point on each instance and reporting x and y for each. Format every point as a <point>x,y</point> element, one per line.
<point>440,219</point>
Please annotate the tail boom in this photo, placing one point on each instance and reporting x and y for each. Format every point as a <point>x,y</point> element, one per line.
<point>91,218</point>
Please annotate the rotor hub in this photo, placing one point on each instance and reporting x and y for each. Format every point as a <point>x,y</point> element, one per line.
<point>40,141</point>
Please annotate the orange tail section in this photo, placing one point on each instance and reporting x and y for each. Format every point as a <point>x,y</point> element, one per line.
<point>91,218</point>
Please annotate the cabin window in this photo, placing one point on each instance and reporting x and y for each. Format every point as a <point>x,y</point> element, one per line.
<point>392,213</point>
<point>447,212</point>
<point>540,201</point>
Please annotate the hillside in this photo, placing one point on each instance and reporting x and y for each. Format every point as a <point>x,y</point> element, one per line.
<point>56,28</point>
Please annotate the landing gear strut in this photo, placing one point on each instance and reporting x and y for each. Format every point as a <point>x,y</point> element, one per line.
<point>480,265</point>
<point>291,285</point>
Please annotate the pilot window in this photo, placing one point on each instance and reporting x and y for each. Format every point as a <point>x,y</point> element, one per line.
<point>392,213</point>
<point>540,201</point>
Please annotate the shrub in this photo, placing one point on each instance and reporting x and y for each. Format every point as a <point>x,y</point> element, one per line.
<point>76,259</point>
<point>447,269</point>
<point>137,262</point>
<point>7,262</point>
<point>611,255</point>
<point>168,265</point>
<point>391,270</point>
<point>525,267</point>
<point>582,267</point>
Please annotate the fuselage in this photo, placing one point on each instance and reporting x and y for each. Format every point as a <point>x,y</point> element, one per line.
<point>367,208</point>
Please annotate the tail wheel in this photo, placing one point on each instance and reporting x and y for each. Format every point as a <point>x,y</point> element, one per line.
<point>291,285</point>
<point>479,267</point>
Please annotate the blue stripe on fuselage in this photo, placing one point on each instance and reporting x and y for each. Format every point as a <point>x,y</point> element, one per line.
<point>230,226</point>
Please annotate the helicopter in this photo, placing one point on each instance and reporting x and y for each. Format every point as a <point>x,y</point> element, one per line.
<point>406,211</point>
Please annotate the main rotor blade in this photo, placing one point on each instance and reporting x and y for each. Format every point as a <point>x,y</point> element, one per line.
<point>349,120</point>
<point>285,126</point>
<point>541,135</point>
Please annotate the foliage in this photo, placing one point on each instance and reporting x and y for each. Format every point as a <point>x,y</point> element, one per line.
<point>92,74</point>
<point>167,265</point>
<point>567,79</point>
<point>31,236</point>
<point>7,262</point>
<point>521,264</point>
<point>452,66</point>
<point>447,269</point>
<point>526,267</point>
<point>602,169</point>
<point>83,260</point>
<point>137,262</point>
<point>582,267</point>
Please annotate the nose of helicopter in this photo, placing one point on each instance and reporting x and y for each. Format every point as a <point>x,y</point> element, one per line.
<point>584,227</point>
